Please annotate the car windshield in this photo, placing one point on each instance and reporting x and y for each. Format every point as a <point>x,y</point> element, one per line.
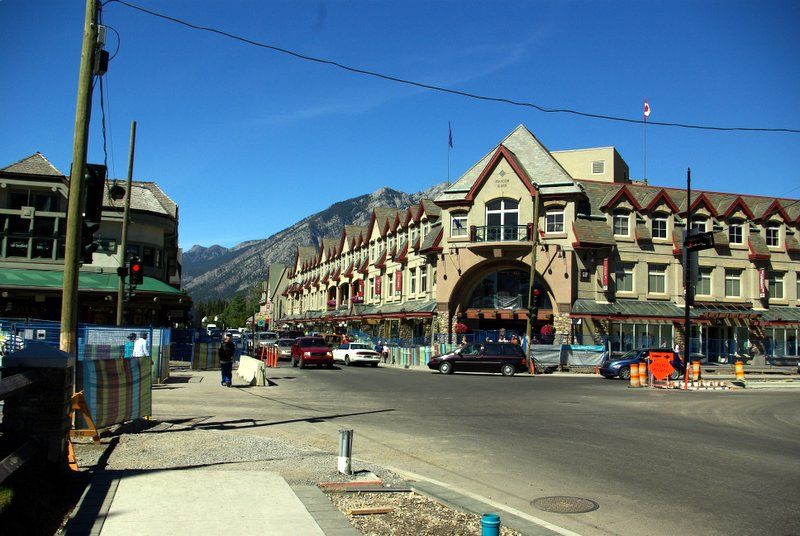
<point>305,343</point>
<point>285,342</point>
<point>630,354</point>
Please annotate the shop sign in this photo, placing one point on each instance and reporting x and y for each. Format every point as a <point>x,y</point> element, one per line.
<point>361,287</point>
<point>605,274</point>
<point>378,285</point>
<point>762,283</point>
<point>398,281</point>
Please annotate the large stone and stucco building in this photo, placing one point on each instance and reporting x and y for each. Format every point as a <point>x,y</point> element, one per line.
<point>608,267</point>
<point>33,206</point>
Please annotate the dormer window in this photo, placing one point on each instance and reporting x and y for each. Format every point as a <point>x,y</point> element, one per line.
<point>699,225</point>
<point>735,233</point>
<point>458,224</point>
<point>772,236</point>
<point>554,221</point>
<point>622,224</point>
<point>659,226</point>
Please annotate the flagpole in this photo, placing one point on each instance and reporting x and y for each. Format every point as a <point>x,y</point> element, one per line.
<point>449,146</point>
<point>645,150</point>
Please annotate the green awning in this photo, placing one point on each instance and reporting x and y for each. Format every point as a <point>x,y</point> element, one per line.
<point>54,279</point>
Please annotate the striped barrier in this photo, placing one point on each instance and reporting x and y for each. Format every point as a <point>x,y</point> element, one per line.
<point>116,390</point>
<point>634,381</point>
<point>695,370</point>
<point>643,380</point>
<point>740,371</point>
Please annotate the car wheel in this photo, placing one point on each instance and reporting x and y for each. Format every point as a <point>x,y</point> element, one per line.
<point>347,360</point>
<point>625,373</point>
<point>374,365</point>
<point>446,367</point>
<point>675,375</point>
<point>507,370</point>
<point>329,365</point>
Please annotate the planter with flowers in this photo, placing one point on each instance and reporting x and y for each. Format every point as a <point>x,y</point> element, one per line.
<point>357,299</point>
<point>548,333</point>
<point>460,328</point>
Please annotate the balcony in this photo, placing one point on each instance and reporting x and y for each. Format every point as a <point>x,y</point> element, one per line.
<point>500,235</point>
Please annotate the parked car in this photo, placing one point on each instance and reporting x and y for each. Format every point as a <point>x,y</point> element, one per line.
<point>235,334</point>
<point>331,339</point>
<point>621,367</point>
<point>284,348</point>
<point>215,334</point>
<point>505,358</point>
<point>311,351</point>
<point>290,334</point>
<point>356,352</point>
<point>265,338</point>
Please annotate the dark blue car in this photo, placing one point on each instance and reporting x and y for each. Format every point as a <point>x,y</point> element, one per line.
<point>621,367</point>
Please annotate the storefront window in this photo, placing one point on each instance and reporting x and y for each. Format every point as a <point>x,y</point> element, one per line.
<point>506,289</point>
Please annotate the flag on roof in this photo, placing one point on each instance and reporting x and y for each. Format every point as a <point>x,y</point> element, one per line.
<point>450,137</point>
<point>646,109</point>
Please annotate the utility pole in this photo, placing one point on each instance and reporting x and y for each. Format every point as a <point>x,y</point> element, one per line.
<point>83,108</point>
<point>534,243</point>
<point>125,215</point>
<point>687,290</point>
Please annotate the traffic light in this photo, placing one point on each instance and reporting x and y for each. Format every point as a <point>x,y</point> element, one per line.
<point>94,181</point>
<point>135,271</point>
<point>535,296</point>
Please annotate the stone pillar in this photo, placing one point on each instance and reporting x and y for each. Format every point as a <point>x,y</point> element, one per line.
<point>562,323</point>
<point>41,412</point>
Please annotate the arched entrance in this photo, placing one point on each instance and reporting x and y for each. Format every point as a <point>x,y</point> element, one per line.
<point>494,296</point>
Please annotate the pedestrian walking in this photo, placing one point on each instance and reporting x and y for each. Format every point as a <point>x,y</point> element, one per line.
<point>379,349</point>
<point>140,346</point>
<point>129,344</point>
<point>226,352</point>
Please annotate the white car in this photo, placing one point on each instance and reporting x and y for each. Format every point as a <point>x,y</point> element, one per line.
<point>356,352</point>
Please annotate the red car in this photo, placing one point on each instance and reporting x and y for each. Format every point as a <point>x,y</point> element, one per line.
<point>311,351</point>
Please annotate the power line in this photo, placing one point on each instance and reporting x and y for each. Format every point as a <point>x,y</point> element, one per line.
<point>441,89</point>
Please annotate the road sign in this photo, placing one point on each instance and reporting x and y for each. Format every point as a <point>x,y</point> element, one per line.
<point>261,322</point>
<point>700,241</point>
<point>660,366</point>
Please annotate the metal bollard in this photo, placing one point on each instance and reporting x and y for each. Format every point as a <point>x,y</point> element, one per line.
<point>490,525</point>
<point>643,374</point>
<point>740,371</point>
<point>345,451</point>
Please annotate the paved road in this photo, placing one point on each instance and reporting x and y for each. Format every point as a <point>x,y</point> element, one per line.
<point>656,462</point>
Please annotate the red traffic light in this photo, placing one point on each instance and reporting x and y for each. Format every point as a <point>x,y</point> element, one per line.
<point>536,292</point>
<point>136,267</point>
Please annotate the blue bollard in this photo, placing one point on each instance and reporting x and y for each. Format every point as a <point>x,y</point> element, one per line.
<point>490,525</point>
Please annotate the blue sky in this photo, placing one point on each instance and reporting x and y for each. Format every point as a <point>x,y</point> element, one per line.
<point>248,141</point>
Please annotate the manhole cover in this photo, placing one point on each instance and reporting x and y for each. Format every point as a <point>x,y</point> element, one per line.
<point>565,505</point>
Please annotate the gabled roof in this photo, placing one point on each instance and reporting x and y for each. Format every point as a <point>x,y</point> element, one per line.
<point>659,197</point>
<point>430,209</point>
<point>704,200</point>
<point>35,164</point>
<point>622,193</point>
<point>532,156</point>
<point>432,239</point>
<point>775,208</point>
<point>502,153</point>
<point>738,204</point>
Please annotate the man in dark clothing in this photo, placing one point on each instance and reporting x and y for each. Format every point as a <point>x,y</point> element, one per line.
<point>226,352</point>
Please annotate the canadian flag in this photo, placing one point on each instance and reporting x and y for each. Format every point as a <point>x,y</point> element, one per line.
<point>646,109</point>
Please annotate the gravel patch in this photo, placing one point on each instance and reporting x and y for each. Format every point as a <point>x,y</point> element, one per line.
<point>413,514</point>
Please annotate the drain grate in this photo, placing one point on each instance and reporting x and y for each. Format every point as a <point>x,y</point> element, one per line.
<point>560,504</point>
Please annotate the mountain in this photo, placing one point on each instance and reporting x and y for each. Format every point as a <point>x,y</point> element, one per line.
<point>219,272</point>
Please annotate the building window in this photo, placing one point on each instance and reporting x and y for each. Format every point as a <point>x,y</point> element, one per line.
<point>660,227</point>
<point>554,221</point>
<point>502,218</point>
<point>773,235</point>
<point>598,167</point>
<point>657,279</point>
<point>624,276</point>
<point>622,224</point>
<point>735,235</point>
<point>458,224</point>
<point>699,225</point>
<point>412,280</point>
<point>426,227</point>
<point>423,279</point>
<point>733,283</point>
<point>703,287</point>
<point>775,286</point>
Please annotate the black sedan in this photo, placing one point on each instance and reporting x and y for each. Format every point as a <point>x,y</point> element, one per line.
<point>505,358</point>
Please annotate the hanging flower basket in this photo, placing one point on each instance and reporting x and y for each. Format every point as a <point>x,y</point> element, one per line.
<point>548,330</point>
<point>357,299</point>
<point>460,328</point>
<point>331,303</point>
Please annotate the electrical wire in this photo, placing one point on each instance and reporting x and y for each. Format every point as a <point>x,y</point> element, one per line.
<point>442,89</point>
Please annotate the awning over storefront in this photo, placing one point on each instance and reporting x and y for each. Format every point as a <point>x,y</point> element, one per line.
<point>627,309</point>
<point>781,315</point>
<point>725,311</point>
<point>420,309</point>
<point>87,281</point>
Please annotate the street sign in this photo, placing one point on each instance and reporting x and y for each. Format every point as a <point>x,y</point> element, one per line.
<point>261,322</point>
<point>700,241</point>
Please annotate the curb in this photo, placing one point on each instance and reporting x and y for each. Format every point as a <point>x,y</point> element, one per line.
<point>329,518</point>
<point>90,513</point>
<point>470,503</point>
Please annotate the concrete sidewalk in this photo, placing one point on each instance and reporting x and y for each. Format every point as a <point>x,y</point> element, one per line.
<point>197,502</point>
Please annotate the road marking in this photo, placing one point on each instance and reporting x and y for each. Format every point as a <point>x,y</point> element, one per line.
<point>495,504</point>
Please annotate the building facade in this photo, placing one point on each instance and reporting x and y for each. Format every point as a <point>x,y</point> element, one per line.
<point>33,206</point>
<point>608,269</point>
